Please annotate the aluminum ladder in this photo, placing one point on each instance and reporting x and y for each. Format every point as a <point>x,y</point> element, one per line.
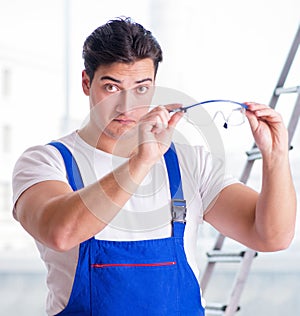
<point>246,256</point>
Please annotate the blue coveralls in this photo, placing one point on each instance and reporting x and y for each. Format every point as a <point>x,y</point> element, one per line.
<point>146,277</point>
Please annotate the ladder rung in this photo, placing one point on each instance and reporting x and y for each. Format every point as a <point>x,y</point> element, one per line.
<point>222,256</point>
<point>255,153</point>
<point>282,90</point>
<point>217,308</point>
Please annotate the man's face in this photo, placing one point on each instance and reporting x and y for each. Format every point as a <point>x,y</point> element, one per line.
<point>120,94</point>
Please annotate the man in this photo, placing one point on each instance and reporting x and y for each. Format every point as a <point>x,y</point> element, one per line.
<point>104,254</point>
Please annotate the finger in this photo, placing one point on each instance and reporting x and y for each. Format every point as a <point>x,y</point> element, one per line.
<point>160,124</point>
<point>173,106</point>
<point>267,112</point>
<point>161,116</point>
<point>252,119</point>
<point>156,120</point>
<point>263,111</point>
<point>175,118</point>
<point>253,106</point>
<point>172,118</point>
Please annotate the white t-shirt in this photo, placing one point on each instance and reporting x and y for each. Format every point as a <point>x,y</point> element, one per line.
<point>145,216</point>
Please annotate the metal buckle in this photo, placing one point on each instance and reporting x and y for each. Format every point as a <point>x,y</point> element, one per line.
<point>178,210</point>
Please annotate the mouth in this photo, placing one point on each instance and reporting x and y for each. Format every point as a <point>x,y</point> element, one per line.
<point>124,120</point>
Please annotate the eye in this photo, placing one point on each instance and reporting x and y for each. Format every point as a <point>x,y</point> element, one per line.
<point>142,89</point>
<point>111,88</point>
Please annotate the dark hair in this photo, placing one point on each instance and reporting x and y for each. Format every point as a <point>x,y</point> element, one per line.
<point>119,40</point>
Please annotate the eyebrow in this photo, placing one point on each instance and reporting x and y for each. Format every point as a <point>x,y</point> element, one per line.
<point>119,81</point>
<point>143,80</point>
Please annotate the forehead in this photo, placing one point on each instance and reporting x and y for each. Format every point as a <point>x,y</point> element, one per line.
<point>137,70</point>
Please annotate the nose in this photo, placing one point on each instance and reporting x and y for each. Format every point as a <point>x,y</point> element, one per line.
<point>125,101</point>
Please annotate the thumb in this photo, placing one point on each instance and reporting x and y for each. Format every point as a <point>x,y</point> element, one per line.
<point>175,118</point>
<point>252,119</point>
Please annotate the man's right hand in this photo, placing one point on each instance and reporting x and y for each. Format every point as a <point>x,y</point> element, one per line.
<point>155,131</point>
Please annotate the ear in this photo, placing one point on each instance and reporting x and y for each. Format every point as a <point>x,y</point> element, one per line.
<point>85,83</point>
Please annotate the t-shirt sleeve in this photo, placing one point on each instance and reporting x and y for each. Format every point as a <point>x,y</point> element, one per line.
<point>37,164</point>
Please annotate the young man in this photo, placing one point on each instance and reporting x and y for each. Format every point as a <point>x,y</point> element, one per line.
<point>119,243</point>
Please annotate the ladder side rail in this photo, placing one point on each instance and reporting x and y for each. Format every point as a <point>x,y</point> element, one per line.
<point>240,282</point>
<point>286,68</point>
<point>247,170</point>
<point>206,276</point>
<point>294,119</point>
<point>274,99</point>
<point>210,265</point>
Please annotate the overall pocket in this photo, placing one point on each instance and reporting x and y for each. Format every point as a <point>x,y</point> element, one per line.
<point>134,288</point>
<point>132,265</point>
